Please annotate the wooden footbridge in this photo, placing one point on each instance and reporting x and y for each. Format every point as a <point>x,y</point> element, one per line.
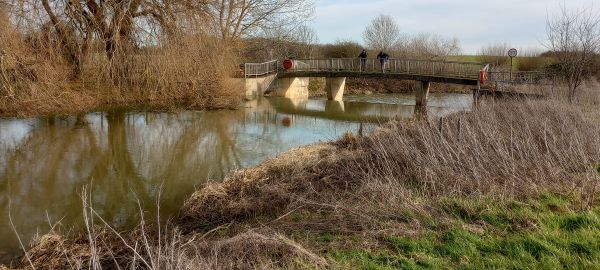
<point>292,76</point>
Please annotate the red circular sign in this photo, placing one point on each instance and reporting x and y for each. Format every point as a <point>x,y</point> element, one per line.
<point>288,64</point>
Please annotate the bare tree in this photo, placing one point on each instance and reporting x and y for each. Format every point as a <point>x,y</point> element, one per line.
<point>76,24</point>
<point>429,46</point>
<point>234,19</point>
<point>277,43</point>
<point>307,39</point>
<point>382,34</point>
<point>574,39</point>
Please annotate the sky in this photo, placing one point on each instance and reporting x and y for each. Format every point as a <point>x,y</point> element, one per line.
<point>519,23</point>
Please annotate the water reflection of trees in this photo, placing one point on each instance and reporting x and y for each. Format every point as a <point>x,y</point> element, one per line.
<point>123,157</point>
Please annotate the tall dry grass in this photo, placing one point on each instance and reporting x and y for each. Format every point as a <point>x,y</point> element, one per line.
<point>189,70</point>
<point>182,71</point>
<point>507,150</point>
<point>154,246</point>
<point>504,150</point>
<point>31,81</point>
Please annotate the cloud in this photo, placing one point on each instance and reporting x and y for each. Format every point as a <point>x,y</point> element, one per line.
<point>520,23</point>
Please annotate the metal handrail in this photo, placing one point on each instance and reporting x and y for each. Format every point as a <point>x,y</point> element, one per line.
<point>260,69</point>
<point>399,66</point>
<point>455,69</point>
<point>405,59</point>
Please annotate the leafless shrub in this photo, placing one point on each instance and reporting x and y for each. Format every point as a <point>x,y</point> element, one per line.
<point>341,49</point>
<point>494,54</point>
<point>532,63</point>
<point>383,34</point>
<point>428,46</point>
<point>299,41</point>
<point>574,39</point>
<point>507,150</point>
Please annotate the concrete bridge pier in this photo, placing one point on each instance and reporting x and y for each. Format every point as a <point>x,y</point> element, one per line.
<point>421,97</point>
<point>335,87</point>
<point>294,88</point>
<point>257,86</point>
<point>334,106</point>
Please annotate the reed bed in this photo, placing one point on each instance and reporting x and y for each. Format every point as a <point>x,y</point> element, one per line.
<point>186,71</point>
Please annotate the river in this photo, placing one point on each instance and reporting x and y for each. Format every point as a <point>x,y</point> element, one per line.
<point>131,157</point>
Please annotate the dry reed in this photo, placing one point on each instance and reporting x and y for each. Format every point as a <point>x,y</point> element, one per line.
<point>184,71</point>
<point>505,150</point>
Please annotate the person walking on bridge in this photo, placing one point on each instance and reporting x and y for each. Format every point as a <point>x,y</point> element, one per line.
<point>382,57</point>
<point>363,60</point>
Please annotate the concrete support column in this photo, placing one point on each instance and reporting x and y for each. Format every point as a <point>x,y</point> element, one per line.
<point>335,87</point>
<point>295,88</point>
<point>258,86</point>
<point>421,97</point>
<point>334,106</point>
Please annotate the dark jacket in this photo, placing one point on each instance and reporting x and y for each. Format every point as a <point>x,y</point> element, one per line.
<point>383,56</point>
<point>363,55</point>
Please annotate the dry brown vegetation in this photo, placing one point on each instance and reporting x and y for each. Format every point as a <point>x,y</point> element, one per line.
<point>185,73</point>
<point>28,80</point>
<point>365,188</point>
<point>505,151</point>
<point>60,57</point>
<point>191,71</point>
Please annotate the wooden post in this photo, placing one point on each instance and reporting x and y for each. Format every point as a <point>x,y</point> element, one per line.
<point>421,97</point>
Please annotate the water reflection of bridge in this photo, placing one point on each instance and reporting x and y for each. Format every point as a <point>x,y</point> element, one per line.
<point>341,110</point>
<point>349,110</point>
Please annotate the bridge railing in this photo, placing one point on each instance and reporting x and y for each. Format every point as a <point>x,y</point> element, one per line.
<point>400,66</point>
<point>520,77</point>
<point>260,69</point>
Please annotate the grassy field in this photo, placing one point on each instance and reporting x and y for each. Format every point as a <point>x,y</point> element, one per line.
<point>519,63</point>
<point>543,233</point>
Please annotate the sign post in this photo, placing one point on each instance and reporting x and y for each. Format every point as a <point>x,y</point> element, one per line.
<point>512,53</point>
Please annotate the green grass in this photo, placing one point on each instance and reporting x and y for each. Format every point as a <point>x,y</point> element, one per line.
<point>464,58</point>
<point>541,234</point>
<point>519,63</point>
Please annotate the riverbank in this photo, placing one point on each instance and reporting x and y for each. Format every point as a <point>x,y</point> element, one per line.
<point>78,98</point>
<point>503,187</point>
